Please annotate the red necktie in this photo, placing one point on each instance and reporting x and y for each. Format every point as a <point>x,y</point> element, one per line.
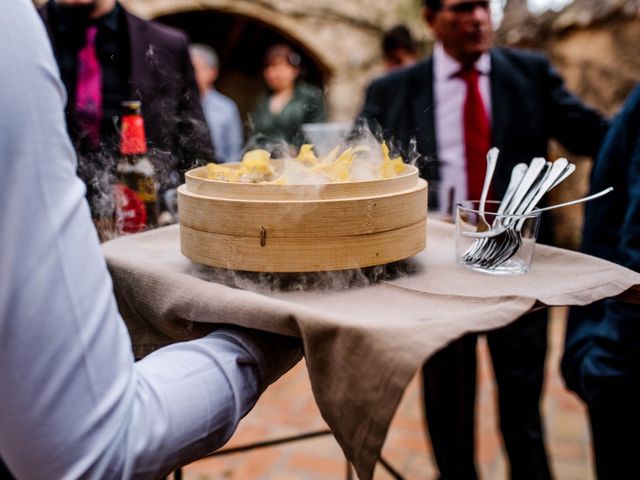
<point>477,134</point>
<point>89,90</point>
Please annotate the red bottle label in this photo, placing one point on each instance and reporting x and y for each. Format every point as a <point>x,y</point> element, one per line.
<point>131,214</point>
<point>132,138</point>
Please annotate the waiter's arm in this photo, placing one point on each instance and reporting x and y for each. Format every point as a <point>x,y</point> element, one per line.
<point>73,403</point>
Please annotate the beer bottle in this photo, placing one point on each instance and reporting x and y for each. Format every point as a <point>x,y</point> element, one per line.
<point>138,189</point>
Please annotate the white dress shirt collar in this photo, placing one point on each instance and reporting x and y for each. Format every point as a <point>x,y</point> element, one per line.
<point>447,67</point>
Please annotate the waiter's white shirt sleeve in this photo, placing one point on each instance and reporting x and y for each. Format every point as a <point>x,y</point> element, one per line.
<point>72,402</point>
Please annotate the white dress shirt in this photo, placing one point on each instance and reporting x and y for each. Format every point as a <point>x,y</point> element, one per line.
<point>73,404</point>
<point>449,93</point>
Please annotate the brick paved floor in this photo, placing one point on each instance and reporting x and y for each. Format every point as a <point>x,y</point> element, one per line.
<point>287,408</point>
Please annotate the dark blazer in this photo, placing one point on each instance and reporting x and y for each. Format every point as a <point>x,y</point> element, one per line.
<point>162,77</point>
<point>603,339</point>
<point>530,105</point>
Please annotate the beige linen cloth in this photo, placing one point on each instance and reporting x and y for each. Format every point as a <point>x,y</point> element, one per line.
<point>363,340</point>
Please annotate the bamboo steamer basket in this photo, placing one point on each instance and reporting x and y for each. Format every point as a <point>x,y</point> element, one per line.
<point>302,228</point>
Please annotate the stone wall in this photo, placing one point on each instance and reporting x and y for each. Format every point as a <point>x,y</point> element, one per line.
<point>595,45</point>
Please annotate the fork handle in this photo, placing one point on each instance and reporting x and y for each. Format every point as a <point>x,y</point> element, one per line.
<point>574,202</point>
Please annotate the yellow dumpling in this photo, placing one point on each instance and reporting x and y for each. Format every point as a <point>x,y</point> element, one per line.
<point>306,155</point>
<point>222,173</point>
<point>338,171</point>
<point>256,161</point>
<point>390,167</point>
<point>256,166</point>
<point>398,165</point>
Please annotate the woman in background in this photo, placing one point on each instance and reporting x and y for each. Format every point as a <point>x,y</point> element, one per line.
<point>289,103</point>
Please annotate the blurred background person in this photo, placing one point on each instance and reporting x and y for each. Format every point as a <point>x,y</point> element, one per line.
<point>601,362</point>
<point>399,49</point>
<point>220,111</point>
<point>106,56</point>
<point>289,102</point>
<point>458,103</point>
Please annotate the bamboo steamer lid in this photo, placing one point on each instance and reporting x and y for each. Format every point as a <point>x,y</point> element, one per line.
<point>301,228</point>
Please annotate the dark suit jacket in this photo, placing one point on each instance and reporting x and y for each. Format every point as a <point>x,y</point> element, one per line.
<point>603,339</point>
<point>162,77</point>
<point>529,106</point>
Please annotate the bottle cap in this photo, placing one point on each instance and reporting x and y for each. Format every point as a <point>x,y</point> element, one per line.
<point>131,106</point>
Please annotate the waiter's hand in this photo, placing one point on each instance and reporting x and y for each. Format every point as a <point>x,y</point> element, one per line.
<point>275,354</point>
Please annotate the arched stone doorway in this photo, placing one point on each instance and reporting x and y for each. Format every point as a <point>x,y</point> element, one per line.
<point>241,42</point>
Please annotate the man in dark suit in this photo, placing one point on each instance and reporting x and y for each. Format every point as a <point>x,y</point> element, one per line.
<point>135,60</point>
<point>602,355</point>
<point>467,97</point>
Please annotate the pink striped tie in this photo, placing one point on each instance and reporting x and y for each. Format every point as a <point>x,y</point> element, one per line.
<point>89,90</point>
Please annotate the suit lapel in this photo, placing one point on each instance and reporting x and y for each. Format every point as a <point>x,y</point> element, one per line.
<point>420,101</point>
<point>139,44</point>
<point>422,108</point>
<point>500,96</point>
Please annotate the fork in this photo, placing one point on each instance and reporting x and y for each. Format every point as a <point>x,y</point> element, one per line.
<point>492,251</point>
<point>494,232</point>
<point>492,159</point>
